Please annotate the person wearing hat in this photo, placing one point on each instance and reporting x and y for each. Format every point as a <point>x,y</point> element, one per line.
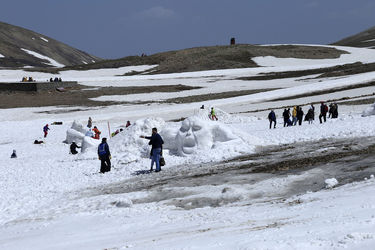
<point>104,156</point>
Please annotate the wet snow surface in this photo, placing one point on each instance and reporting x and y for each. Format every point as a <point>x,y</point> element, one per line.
<point>228,184</point>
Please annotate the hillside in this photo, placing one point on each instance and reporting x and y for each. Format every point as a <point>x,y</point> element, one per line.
<point>20,47</point>
<point>364,39</point>
<point>215,57</point>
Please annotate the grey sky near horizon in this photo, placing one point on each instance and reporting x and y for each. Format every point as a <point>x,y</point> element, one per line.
<point>118,28</point>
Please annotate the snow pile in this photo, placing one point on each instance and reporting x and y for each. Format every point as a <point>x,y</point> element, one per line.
<point>42,38</point>
<point>1,56</point>
<point>127,146</point>
<point>40,56</point>
<point>369,111</point>
<point>77,133</point>
<point>330,183</point>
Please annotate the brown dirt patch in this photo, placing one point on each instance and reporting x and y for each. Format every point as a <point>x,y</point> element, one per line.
<point>78,96</point>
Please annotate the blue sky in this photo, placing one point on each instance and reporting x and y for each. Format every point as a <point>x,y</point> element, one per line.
<point>117,28</point>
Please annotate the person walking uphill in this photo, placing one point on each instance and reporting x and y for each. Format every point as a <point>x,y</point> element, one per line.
<point>45,130</point>
<point>104,156</point>
<point>272,118</point>
<point>157,148</point>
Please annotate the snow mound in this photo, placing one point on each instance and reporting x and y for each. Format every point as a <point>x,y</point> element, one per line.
<point>77,134</point>
<point>369,111</point>
<point>330,183</point>
<point>127,146</point>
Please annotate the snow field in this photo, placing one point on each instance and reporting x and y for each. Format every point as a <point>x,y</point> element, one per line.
<point>52,200</point>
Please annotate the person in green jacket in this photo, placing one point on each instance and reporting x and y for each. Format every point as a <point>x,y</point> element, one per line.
<point>213,114</point>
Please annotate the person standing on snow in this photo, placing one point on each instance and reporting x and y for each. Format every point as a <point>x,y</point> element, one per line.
<point>104,156</point>
<point>272,118</point>
<point>97,133</point>
<point>45,130</point>
<point>157,148</point>
<point>213,114</point>
<point>299,115</point>
<point>294,116</point>
<point>89,123</point>
<point>323,112</point>
<point>73,148</point>
<point>286,115</point>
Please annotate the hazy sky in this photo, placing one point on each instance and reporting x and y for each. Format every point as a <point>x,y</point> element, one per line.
<point>117,28</point>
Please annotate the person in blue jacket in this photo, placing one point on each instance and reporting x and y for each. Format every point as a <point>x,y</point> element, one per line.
<point>104,156</point>
<point>157,148</point>
<point>272,118</point>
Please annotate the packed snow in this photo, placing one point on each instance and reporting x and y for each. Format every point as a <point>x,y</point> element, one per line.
<point>52,62</point>
<point>54,200</point>
<point>44,39</point>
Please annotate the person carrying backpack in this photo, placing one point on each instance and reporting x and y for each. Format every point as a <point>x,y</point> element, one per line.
<point>272,118</point>
<point>104,156</point>
<point>323,112</point>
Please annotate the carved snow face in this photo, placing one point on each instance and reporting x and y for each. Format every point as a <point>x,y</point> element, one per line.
<point>192,135</point>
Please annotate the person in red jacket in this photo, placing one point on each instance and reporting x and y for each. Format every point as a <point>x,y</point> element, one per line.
<point>45,130</point>
<point>97,133</point>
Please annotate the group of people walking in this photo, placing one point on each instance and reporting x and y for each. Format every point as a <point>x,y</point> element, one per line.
<point>296,116</point>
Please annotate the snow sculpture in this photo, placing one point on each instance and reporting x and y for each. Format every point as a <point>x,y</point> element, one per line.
<point>196,134</point>
<point>77,134</point>
<point>369,111</point>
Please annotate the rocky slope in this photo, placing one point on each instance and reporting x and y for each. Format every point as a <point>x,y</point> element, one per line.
<point>20,47</point>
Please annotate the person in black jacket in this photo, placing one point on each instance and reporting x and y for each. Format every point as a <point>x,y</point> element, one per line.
<point>157,148</point>
<point>299,115</point>
<point>104,156</point>
<point>73,148</point>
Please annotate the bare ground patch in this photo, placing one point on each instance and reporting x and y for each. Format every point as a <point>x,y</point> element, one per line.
<point>78,96</point>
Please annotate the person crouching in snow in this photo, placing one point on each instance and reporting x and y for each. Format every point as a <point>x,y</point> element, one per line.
<point>272,118</point>
<point>14,155</point>
<point>73,148</point>
<point>104,156</point>
<point>97,133</point>
<point>157,148</point>
<point>45,130</point>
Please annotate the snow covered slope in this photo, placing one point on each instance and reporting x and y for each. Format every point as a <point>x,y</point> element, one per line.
<point>227,184</point>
